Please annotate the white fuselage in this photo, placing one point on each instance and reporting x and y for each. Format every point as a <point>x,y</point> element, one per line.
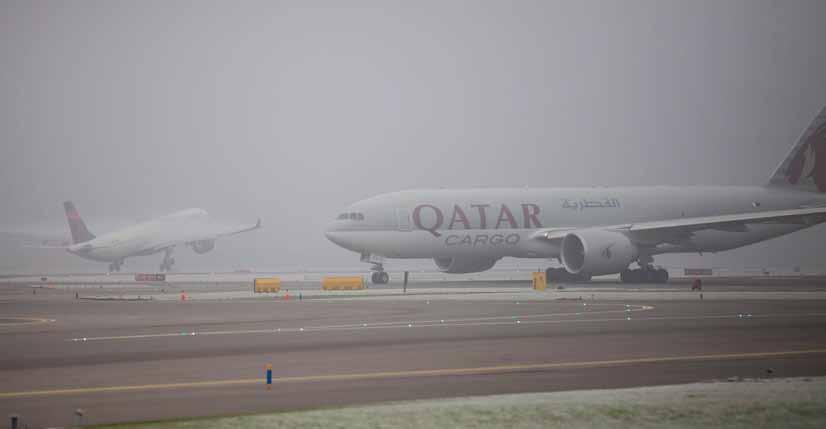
<point>502,222</point>
<point>145,238</point>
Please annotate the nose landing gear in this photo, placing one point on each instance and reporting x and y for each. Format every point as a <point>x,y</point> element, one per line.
<point>379,277</point>
<point>377,274</point>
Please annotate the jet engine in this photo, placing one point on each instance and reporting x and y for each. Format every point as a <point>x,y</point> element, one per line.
<point>596,252</point>
<point>463,266</point>
<point>203,246</point>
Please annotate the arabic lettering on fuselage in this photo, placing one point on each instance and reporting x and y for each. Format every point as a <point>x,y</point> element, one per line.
<point>609,203</point>
<point>505,218</point>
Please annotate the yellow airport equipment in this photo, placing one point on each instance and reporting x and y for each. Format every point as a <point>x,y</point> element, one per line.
<point>267,285</point>
<point>342,283</point>
<point>539,280</point>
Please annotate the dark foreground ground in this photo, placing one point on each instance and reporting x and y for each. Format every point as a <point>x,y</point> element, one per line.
<point>143,360</point>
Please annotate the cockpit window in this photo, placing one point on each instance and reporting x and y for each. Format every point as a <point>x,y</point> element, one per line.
<point>351,216</point>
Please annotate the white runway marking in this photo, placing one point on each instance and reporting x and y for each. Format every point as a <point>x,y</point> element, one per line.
<point>460,322</point>
<point>530,319</point>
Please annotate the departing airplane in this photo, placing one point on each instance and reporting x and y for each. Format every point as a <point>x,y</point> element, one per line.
<point>592,231</point>
<point>189,227</point>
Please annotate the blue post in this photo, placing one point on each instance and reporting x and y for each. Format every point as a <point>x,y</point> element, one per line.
<point>269,376</point>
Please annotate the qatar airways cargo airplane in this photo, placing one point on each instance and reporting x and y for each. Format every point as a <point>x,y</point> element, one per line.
<point>592,231</point>
<point>189,227</point>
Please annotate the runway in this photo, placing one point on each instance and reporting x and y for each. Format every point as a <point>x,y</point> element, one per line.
<point>145,360</point>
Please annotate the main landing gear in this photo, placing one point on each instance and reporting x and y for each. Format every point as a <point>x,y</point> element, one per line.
<point>168,260</point>
<point>645,274</point>
<point>115,266</point>
<point>561,275</point>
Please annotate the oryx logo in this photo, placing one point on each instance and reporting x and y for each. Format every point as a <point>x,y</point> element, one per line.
<point>809,164</point>
<point>606,252</point>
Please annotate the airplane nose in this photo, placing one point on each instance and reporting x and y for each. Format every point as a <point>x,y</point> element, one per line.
<point>330,233</point>
<point>340,237</point>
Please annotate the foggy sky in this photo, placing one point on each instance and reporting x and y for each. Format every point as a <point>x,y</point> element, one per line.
<point>289,111</point>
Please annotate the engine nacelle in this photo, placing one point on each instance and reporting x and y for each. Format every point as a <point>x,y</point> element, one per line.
<point>596,252</point>
<point>463,266</point>
<point>203,246</point>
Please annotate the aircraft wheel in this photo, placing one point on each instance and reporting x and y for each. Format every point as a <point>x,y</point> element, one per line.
<point>380,277</point>
<point>662,276</point>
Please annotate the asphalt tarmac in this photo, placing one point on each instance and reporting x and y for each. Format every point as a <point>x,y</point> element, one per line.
<point>157,359</point>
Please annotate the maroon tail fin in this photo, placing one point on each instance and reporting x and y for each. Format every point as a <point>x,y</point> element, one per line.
<point>805,166</point>
<point>79,231</point>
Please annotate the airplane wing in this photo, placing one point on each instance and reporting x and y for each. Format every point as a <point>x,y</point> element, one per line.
<point>552,234</point>
<point>192,234</point>
<point>227,231</point>
<point>679,229</point>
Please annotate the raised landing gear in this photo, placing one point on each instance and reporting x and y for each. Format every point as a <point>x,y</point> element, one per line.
<point>561,275</point>
<point>646,274</point>
<point>168,260</point>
